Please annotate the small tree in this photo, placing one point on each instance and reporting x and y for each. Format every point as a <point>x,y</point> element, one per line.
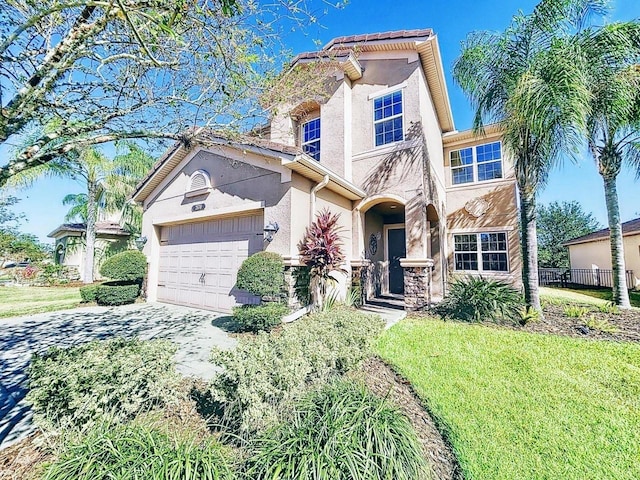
<point>558,223</point>
<point>321,251</point>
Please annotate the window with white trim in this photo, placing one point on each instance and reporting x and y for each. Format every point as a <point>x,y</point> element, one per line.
<point>387,118</point>
<point>476,164</point>
<point>311,138</point>
<point>481,252</point>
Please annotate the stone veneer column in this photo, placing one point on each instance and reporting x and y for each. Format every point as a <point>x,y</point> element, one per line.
<point>417,283</point>
<point>361,277</point>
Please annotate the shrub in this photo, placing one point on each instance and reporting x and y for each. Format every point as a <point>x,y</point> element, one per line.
<point>345,432</point>
<point>130,265</point>
<point>88,293</point>
<point>117,293</point>
<point>111,380</point>
<point>264,374</point>
<point>262,274</point>
<point>321,251</point>
<point>302,284</point>
<point>255,318</point>
<point>575,311</point>
<point>475,299</point>
<point>137,451</point>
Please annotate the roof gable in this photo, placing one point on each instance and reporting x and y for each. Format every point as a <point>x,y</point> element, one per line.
<point>422,41</point>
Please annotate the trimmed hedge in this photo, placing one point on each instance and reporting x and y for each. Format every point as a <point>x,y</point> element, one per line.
<point>262,274</point>
<point>117,293</point>
<point>255,318</point>
<point>130,265</point>
<point>102,381</point>
<point>88,293</point>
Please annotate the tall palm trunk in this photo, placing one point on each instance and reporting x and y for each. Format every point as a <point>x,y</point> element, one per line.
<point>620,292</point>
<point>529,243</point>
<point>90,235</point>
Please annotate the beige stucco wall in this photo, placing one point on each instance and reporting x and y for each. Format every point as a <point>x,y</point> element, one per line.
<point>241,182</point>
<point>105,246</point>
<point>594,255</point>
<point>496,201</point>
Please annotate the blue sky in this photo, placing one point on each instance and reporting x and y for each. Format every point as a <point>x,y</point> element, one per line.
<point>451,20</point>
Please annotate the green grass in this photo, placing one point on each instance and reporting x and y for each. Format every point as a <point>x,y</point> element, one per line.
<point>15,301</point>
<point>518,405</point>
<point>591,297</point>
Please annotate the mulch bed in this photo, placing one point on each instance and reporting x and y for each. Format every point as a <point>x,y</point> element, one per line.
<point>17,462</point>
<point>384,382</point>
<point>556,322</point>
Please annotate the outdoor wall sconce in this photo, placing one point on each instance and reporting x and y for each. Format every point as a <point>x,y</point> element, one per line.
<point>140,242</point>
<point>270,230</point>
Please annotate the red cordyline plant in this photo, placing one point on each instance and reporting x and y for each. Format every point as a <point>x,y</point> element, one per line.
<point>321,250</point>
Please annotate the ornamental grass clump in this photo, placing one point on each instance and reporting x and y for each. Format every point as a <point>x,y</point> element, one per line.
<point>321,251</point>
<point>264,374</point>
<point>477,299</point>
<point>339,432</point>
<point>139,451</point>
<point>109,381</point>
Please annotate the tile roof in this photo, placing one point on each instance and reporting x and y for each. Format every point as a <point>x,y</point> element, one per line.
<point>628,228</point>
<point>107,228</point>
<point>372,37</point>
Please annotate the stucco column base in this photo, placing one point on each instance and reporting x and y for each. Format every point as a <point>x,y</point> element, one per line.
<point>417,283</point>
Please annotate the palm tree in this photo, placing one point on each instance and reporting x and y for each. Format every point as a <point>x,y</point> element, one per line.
<point>613,123</point>
<point>526,80</point>
<point>78,210</point>
<point>107,184</point>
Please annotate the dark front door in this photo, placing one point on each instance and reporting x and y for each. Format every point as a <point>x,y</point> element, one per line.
<point>397,250</point>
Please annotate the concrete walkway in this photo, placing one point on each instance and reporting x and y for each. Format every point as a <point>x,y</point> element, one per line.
<point>391,316</point>
<point>194,331</point>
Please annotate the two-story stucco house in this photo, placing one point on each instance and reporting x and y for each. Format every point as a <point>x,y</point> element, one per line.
<point>418,200</point>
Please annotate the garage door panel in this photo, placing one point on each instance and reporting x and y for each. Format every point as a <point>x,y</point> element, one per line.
<point>216,248</point>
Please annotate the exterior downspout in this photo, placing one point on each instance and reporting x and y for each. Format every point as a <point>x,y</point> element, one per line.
<point>314,191</point>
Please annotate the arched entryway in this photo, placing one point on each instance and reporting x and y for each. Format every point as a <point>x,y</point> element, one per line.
<point>385,244</point>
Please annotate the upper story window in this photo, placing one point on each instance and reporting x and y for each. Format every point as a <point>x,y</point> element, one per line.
<point>311,138</point>
<point>387,118</point>
<point>476,164</point>
<point>481,252</point>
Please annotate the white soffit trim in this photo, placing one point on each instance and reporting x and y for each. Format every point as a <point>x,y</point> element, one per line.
<point>314,170</point>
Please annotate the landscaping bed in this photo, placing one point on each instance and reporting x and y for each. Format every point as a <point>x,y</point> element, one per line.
<point>623,326</point>
<point>384,382</point>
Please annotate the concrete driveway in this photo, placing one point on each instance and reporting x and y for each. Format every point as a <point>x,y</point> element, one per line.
<point>194,331</point>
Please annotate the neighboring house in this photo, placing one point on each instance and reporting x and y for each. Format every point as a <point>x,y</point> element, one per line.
<point>69,249</point>
<point>418,201</point>
<point>593,251</point>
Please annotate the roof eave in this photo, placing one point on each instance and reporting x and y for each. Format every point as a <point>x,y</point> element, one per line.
<point>313,170</point>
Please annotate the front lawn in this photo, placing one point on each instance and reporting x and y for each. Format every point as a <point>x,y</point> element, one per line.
<point>587,296</point>
<point>522,405</point>
<point>15,301</point>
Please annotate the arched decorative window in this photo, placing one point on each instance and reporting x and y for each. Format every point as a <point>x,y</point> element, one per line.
<point>199,183</point>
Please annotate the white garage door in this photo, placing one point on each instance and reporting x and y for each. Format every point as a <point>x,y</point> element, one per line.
<point>199,262</point>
